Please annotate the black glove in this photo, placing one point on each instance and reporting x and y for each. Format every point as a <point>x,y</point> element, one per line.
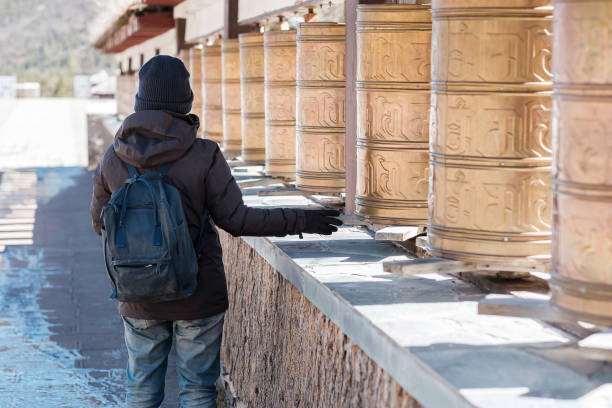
<point>321,221</point>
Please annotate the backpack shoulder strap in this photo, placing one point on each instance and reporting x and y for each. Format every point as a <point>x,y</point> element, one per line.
<point>133,172</point>
<point>164,169</point>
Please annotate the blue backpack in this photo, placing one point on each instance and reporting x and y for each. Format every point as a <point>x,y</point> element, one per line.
<point>147,247</point>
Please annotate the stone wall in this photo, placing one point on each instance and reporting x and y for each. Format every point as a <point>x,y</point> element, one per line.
<point>279,350</point>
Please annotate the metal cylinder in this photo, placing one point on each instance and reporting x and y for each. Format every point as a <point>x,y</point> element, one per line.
<point>320,121</point>
<point>212,101</point>
<point>280,77</point>
<point>195,71</point>
<point>490,154</point>
<point>127,88</point>
<point>184,55</point>
<point>124,90</point>
<point>393,100</point>
<point>252,97</point>
<point>581,281</point>
<point>232,120</point>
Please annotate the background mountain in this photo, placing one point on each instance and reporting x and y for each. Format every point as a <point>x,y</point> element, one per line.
<point>48,41</point>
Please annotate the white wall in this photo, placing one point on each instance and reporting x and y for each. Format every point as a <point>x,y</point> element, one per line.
<point>8,86</point>
<point>250,8</point>
<point>166,43</point>
<point>203,17</point>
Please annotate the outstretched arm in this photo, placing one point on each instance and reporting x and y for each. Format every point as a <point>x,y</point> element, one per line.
<point>224,200</point>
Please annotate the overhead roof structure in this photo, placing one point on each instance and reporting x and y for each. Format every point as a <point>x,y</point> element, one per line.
<point>141,21</point>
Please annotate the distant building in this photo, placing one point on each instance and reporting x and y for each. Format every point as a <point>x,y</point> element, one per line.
<point>8,86</point>
<point>28,90</point>
<point>103,85</point>
<point>81,86</point>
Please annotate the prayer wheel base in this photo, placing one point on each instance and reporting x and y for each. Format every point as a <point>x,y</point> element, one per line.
<point>215,137</point>
<point>391,212</point>
<point>254,157</point>
<point>478,246</point>
<point>582,301</point>
<point>280,168</point>
<point>320,183</point>
<point>231,153</point>
<point>284,176</point>
<point>279,173</point>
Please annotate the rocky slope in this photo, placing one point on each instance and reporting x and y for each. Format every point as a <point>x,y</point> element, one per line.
<point>48,41</point>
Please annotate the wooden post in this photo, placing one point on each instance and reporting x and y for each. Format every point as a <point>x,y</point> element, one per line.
<point>231,28</point>
<point>350,141</point>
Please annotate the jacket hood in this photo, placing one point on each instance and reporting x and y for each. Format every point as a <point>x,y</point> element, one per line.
<point>152,138</point>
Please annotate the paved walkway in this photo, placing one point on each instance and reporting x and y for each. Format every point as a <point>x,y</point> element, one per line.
<point>61,339</point>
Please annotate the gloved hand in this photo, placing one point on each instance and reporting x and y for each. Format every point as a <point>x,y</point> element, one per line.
<point>321,221</point>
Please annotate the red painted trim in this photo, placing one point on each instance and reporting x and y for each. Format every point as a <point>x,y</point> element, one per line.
<point>137,30</point>
<point>162,2</point>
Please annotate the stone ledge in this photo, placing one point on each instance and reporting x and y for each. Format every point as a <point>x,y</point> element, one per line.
<point>281,351</point>
<point>423,331</point>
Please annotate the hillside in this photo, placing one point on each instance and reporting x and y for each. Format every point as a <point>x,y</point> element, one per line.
<point>48,41</point>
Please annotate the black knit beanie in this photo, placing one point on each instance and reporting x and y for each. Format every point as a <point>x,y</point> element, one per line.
<point>164,85</point>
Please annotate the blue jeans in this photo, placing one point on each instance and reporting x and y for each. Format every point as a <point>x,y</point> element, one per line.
<point>198,345</point>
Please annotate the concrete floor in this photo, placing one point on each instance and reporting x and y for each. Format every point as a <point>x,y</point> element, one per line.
<point>61,339</point>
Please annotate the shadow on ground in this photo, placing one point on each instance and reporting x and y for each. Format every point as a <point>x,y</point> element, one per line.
<point>61,338</point>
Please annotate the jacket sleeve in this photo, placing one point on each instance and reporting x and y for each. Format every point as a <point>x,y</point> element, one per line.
<point>101,195</point>
<point>224,201</point>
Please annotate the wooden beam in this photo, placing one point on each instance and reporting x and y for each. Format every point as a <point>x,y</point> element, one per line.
<point>350,141</point>
<point>420,266</point>
<point>280,191</point>
<point>408,267</point>
<point>257,182</point>
<point>398,233</point>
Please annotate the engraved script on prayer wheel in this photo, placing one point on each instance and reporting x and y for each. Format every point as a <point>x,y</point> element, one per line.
<point>253,107</point>
<point>280,77</point>
<point>195,72</point>
<point>393,72</point>
<point>490,154</point>
<point>320,121</point>
<point>232,121</point>
<point>581,281</point>
<point>212,101</point>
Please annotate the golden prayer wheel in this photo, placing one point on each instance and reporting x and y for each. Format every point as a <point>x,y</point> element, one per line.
<point>212,101</point>
<point>184,55</point>
<point>581,280</point>
<point>320,115</point>
<point>195,71</point>
<point>232,121</point>
<point>393,99</point>
<point>122,94</point>
<point>253,108</point>
<point>127,88</point>
<point>280,54</point>
<point>490,188</point>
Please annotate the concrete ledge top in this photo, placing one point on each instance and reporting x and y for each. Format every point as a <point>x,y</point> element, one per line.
<point>425,331</point>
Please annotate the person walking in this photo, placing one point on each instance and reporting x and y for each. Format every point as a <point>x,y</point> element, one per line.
<point>160,138</point>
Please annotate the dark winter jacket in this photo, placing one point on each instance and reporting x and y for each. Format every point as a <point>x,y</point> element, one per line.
<point>149,139</point>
